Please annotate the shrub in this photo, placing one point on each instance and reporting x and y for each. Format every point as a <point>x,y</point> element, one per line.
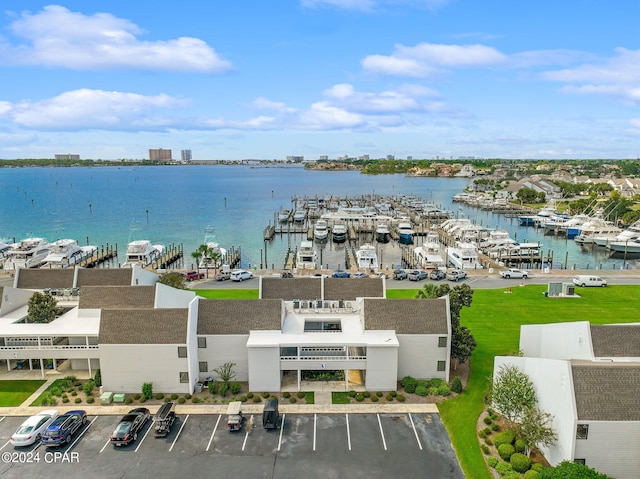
<point>97,378</point>
<point>359,397</point>
<point>181,400</point>
<point>389,397</point>
<point>536,466</point>
<point>410,386</point>
<point>422,382</point>
<point>456,385</point>
<point>374,398</point>
<point>195,400</point>
<point>481,433</point>
<point>265,395</point>
<point>235,388</point>
<point>137,396</point>
<point>351,394</point>
<point>421,391</point>
<point>531,474</point>
<point>250,395</point>
<point>88,386</point>
<point>520,462</point>
<point>505,437</point>
<point>366,394</point>
<point>485,449</point>
<point>506,450</point>
<point>488,441</point>
<point>213,387</point>
<point>129,400</point>
<point>487,420</point>
<point>187,396</point>
<point>257,399</point>
<point>74,393</point>
<point>300,394</point>
<point>286,394</point>
<point>400,398</point>
<point>492,461</point>
<point>512,475</point>
<point>174,396</point>
<point>70,379</point>
<point>487,431</point>
<point>90,399</point>
<point>503,467</point>
<point>77,400</point>
<point>495,427</point>
<point>433,391</point>
<point>490,411</point>
<point>520,445</point>
<point>408,380</point>
<point>242,398</point>
<point>379,394</point>
<point>436,382</point>
<point>147,390</point>
<point>166,399</point>
<point>159,396</point>
<point>292,400</point>
<point>143,399</point>
<point>393,393</point>
<point>222,389</point>
<point>65,399</point>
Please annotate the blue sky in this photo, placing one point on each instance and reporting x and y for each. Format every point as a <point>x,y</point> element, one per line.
<point>256,79</point>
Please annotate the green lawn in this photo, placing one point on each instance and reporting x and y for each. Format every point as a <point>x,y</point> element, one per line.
<point>227,293</point>
<point>14,392</point>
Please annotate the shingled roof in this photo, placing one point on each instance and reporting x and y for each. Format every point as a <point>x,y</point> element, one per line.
<point>143,326</point>
<point>350,288</point>
<point>104,277</point>
<point>45,278</point>
<point>607,391</point>
<point>117,297</point>
<point>289,289</point>
<point>238,316</point>
<point>406,316</point>
<point>616,340</point>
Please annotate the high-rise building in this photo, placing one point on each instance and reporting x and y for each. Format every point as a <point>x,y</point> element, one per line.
<point>295,159</point>
<point>159,154</point>
<point>185,156</point>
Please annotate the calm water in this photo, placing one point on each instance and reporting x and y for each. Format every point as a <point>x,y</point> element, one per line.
<point>174,205</point>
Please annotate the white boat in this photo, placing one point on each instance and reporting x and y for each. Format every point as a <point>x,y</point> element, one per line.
<point>299,216</point>
<point>597,231</point>
<point>142,253</point>
<point>66,252</point>
<point>306,257</point>
<point>463,256</point>
<point>382,233</point>
<point>321,230</point>
<point>629,246</point>
<point>28,253</point>
<point>630,233</point>
<point>367,257</point>
<point>213,250</point>
<point>339,233</point>
<point>283,216</point>
<point>429,255</point>
<point>517,252</point>
<point>405,232</point>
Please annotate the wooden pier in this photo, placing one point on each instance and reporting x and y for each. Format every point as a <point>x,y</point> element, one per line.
<point>169,256</point>
<point>101,255</point>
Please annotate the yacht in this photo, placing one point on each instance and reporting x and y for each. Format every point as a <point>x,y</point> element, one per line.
<point>299,216</point>
<point>429,255</point>
<point>142,253</point>
<point>382,233</point>
<point>28,253</point>
<point>283,216</point>
<point>321,230</point>
<point>367,257</point>
<point>339,233</point>
<point>597,231</point>
<point>66,252</point>
<point>213,250</point>
<point>306,256</point>
<point>405,232</point>
<point>463,256</point>
<point>628,234</point>
<point>628,246</point>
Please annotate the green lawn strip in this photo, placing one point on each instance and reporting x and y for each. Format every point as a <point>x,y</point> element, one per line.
<point>15,392</point>
<point>340,398</point>
<point>227,293</point>
<point>57,384</point>
<point>309,397</point>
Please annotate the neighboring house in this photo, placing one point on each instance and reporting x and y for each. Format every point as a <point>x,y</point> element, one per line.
<point>587,377</point>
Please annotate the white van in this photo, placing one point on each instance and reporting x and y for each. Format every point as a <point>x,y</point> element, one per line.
<point>588,280</point>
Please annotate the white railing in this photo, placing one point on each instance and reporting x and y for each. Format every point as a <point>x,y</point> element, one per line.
<point>323,358</point>
<point>47,346</point>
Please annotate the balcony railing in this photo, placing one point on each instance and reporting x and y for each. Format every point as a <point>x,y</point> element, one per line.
<point>48,346</point>
<point>323,358</point>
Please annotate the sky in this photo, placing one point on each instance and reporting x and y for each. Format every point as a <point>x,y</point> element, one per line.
<point>542,79</point>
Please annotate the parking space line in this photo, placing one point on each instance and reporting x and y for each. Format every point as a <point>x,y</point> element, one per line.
<point>81,434</point>
<point>246,435</point>
<point>315,418</point>
<point>384,442</point>
<point>105,445</point>
<point>145,435</point>
<point>212,434</point>
<point>415,432</point>
<point>5,445</point>
<point>348,432</point>
<point>281,429</point>
<point>179,431</point>
<point>3,418</point>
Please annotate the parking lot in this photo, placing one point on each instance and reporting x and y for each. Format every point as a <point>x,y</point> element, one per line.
<point>322,445</point>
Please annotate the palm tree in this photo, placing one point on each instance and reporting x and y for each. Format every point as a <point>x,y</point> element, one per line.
<point>197,254</point>
<point>427,291</point>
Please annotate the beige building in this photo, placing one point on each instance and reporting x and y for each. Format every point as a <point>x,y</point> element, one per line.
<point>159,154</point>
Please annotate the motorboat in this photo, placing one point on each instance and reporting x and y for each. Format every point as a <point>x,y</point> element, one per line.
<point>306,256</point>
<point>214,255</point>
<point>597,231</point>
<point>429,255</point>
<point>283,216</point>
<point>367,257</point>
<point>463,256</point>
<point>405,232</point>
<point>573,226</point>
<point>28,253</point>
<point>142,253</point>
<point>630,233</point>
<point>321,230</point>
<point>339,233</point>
<point>299,216</point>
<point>628,246</point>
<point>66,252</point>
<point>382,233</point>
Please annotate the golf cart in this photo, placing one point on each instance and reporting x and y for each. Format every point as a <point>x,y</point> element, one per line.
<point>164,419</point>
<point>235,417</point>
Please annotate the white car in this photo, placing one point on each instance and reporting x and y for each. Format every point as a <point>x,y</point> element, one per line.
<point>241,275</point>
<point>31,430</point>
<point>514,273</point>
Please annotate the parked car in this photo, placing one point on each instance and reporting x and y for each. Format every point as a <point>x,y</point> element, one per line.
<point>400,274</point>
<point>514,273</point>
<point>193,275</point>
<point>63,427</point>
<point>456,275</point>
<point>417,275</point>
<point>241,275</point>
<point>360,274</point>
<point>340,274</point>
<point>223,276</point>
<point>30,431</point>
<point>286,274</point>
<point>437,274</point>
<point>127,429</point>
<point>588,280</point>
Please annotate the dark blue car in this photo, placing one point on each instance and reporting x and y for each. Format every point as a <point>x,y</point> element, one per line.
<point>340,274</point>
<point>63,427</point>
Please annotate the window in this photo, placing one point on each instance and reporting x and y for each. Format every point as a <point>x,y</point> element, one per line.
<point>182,351</point>
<point>582,431</point>
<point>202,342</point>
<point>204,366</point>
<point>184,377</point>
<point>442,365</point>
<point>313,326</point>
<point>442,342</point>
<point>580,461</point>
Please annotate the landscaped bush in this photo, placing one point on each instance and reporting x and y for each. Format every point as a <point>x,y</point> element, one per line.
<point>213,387</point>
<point>505,437</point>
<point>520,462</point>
<point>512,475</point>
<point>129,400</point>
<point>506,450</point>
<point>409,384</point>
<point>174,396</point>
<point>432,391</point>
<point>196,400</point>
<point>90,400</point>
<point>292,400</point>
<point>286,394</point>
<point>389,397</point>
<point>520,445</point>
<point>159,396</point>
<point>187,396</point>
<point>147,390</point>
<point>485,449</point>
<point>503,467</point>
<point>300,394</point>
<point>222,389</point>
<point>366,394</point>
<point>137,396</point>
<point>492,461</point>
<point>400,398</point>
<point>436,382</point>
<point>393,393</point>
<point>495,427</point>
<point>166,399</point>
<point>531,474</point>
<point>242,398</point>
<point>77,400</point>
<point>482,434</point>
<point>143,399</point>
<point>487,420</point>
<point>421,391</point>
<point>257,399</point>
<point>351,394</point>
<point>359,397</point>
<point>536,466</point>
<point>379,394</point>
<point>65,399</point>
<point>181,400</point>
<point>98,378</point>
<point>487,431</point>
<point>374,399</point>
<point>249,395</point>
<point>265,395</point>
<point>235,388</point>
<point>74,393</point>
<point>456,385</point>
<point>488,441</point>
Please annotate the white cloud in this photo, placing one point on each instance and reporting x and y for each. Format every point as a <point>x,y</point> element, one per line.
<point>425,59</point>
<point>323,116</point>
<point>58,37</point>
<point>90,109</point>
<point>345,95</point>
<point>634,127</point>
<point>262,103</point>
<point>370,5</point>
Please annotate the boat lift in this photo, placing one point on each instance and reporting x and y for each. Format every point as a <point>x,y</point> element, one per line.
<point>164,419</point>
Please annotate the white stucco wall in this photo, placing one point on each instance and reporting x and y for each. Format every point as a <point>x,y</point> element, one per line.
<point>382,368</point>
<point>192,342</point>
<point>126,367</point>
<point>168,297</point>
<point>264,368</point>
<point>557,341</point>
<point>620,440</point>
<point>223,349</point>
<point>418,356</point>
<point>553,384</point>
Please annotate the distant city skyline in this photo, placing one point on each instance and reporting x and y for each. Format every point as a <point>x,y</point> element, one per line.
<point>312,78</point>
